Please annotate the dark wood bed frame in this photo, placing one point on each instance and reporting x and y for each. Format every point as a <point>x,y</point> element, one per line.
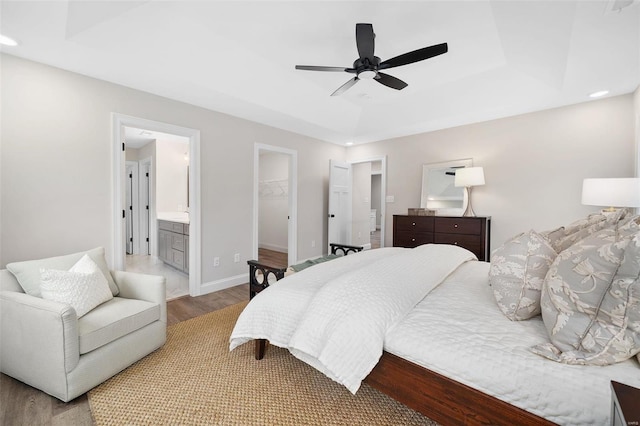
<point>440,398</point>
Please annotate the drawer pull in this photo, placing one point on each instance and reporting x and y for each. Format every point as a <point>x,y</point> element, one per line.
<point>455,243</point>
<point>455,225</point>
<point>413,223</point>
<point>413,239</point>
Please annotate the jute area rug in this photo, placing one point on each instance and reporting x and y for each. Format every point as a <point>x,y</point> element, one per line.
<point>194,380</point>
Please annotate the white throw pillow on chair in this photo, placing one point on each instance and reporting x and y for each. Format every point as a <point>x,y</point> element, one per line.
<point>83,286</point>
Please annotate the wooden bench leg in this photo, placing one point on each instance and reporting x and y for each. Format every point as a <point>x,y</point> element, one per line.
<point>261,346</point>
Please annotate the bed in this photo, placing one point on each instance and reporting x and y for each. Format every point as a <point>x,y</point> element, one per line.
<point>452,368</point>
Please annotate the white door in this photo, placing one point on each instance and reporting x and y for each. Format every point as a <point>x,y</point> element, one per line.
<point>145,209</point>
<point>339,203</point>
<point>129,208</point>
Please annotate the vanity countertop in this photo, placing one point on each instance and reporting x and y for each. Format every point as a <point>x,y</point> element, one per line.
<point>179,217</point>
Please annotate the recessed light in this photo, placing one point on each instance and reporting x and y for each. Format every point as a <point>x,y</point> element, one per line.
<point>349,143</point>
<point>599,94</point>
<point>7,41</point>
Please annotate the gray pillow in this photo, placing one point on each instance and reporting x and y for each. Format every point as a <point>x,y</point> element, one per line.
<point>590,303</point>
<point>566,236</point>
<point>28,272</point>
<point>517,273</point>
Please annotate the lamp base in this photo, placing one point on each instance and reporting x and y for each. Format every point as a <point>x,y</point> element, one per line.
<point>469,210</point>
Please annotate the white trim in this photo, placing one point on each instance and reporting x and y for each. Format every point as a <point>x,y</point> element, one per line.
<point>366,246</point>
<point>135,203</point>
<point>119,122</point>
<point>224,283</point>
<point>273,247</point>
<point>153,251</point>
<point>293,198</point>
<point>383,191</point>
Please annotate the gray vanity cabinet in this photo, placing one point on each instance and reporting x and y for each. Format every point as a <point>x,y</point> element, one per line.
<point>173,244</point>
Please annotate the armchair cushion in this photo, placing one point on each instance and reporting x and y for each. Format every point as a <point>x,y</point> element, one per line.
<point>83,286</point>
<point>28,272</point>
<point>114,319</point>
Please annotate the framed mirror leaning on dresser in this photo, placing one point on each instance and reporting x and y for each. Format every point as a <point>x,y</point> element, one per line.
<point>438,190</point>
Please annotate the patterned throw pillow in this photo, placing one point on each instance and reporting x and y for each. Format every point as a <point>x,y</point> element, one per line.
<point>517,273</point>
<point>565,236</point>
<point>83,286</point>
<point>590,299</point>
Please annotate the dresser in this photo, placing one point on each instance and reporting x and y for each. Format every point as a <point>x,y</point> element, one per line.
<point>173,244</point>
<point>472,233</point>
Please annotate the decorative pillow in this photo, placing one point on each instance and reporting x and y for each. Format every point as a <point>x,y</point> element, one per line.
<point>28,273</point>
<point>517,272</point>
<point>590,299</point>
<point>564,237</point>
<point>83,286</point>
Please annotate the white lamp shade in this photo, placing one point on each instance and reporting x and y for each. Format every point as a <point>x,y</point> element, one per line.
<point>611,192</point>
<point>469,176</point>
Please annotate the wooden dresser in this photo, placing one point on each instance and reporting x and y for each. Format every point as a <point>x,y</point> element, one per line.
<point>472,233</point>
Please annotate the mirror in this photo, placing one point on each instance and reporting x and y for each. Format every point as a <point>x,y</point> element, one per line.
<point>438,190</point>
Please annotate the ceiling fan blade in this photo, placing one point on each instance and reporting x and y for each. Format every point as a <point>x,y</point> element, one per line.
<point>345,86</point>
<point>415,56</point>
<point>364,40</point>
<point>390,81</point>
<point>317,68</point>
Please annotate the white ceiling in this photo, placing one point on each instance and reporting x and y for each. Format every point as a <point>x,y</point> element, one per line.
<point>238,57</point>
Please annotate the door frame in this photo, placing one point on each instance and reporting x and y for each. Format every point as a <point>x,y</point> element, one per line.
<point>383,190</point>
<point>135,203</point>
<point>119,122</point>
<point>147,162</point>
<point>292,235</point>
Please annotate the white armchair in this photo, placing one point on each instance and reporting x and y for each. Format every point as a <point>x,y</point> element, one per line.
<point>44,344</point>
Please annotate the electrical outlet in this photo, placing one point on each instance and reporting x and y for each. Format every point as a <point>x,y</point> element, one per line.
<point>236,257</point>
<point>216,261</point>
<point>313,243</point>
<point>390,199</point>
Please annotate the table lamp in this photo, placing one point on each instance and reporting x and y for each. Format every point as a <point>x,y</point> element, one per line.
<point>611,192</point>
<point>469,177</point>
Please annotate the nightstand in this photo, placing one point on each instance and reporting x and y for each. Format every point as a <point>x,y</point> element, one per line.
<point>625,405</point>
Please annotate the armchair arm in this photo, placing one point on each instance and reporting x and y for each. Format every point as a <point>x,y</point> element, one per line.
<point>151,288</point>
<point>38,341</point>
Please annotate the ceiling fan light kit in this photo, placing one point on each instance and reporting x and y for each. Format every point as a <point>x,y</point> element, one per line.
<point>368,66</point>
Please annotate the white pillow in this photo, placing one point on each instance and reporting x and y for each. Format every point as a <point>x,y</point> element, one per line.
<point>83,286</point>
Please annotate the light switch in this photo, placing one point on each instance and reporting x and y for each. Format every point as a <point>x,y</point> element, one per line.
<point>390,199</point>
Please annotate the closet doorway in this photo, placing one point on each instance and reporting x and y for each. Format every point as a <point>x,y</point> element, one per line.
<point>275,201</point>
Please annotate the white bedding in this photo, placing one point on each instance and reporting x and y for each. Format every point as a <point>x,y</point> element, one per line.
<point>336,320</point>
<point>458,331</point>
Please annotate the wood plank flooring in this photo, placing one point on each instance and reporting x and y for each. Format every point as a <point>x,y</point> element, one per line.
<point>21,404</point>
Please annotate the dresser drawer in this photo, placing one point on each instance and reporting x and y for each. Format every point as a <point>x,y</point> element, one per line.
<point>411,239</point>
<point>414,223</point>
<point>472,243</point>
<point>453,225</point>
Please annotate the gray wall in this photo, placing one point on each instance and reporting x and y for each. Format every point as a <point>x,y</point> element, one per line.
<point>56,172</point>
<point>534,164</point>
<point>56,176</point>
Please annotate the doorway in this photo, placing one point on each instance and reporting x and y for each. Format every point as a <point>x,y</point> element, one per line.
<point>275,204</point>
<point>147,219</point>
<point>357,207</point>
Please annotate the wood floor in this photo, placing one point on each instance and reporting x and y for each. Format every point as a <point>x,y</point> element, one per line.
<point>21,404</point>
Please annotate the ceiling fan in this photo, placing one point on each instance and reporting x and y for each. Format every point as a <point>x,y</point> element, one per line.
<point>369,66</point>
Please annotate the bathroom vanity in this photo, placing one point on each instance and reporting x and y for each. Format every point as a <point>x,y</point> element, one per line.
<point>173,244</point>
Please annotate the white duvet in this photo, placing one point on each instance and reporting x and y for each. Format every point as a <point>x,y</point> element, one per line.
<point>334,316</point>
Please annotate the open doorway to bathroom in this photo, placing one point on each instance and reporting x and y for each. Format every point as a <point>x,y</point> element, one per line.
<point>158,179</point>
<point>164,160</point>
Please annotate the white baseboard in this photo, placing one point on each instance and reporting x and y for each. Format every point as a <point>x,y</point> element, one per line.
<point>273,247</point>
<point>366,246</point>
<point>224,283</point>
